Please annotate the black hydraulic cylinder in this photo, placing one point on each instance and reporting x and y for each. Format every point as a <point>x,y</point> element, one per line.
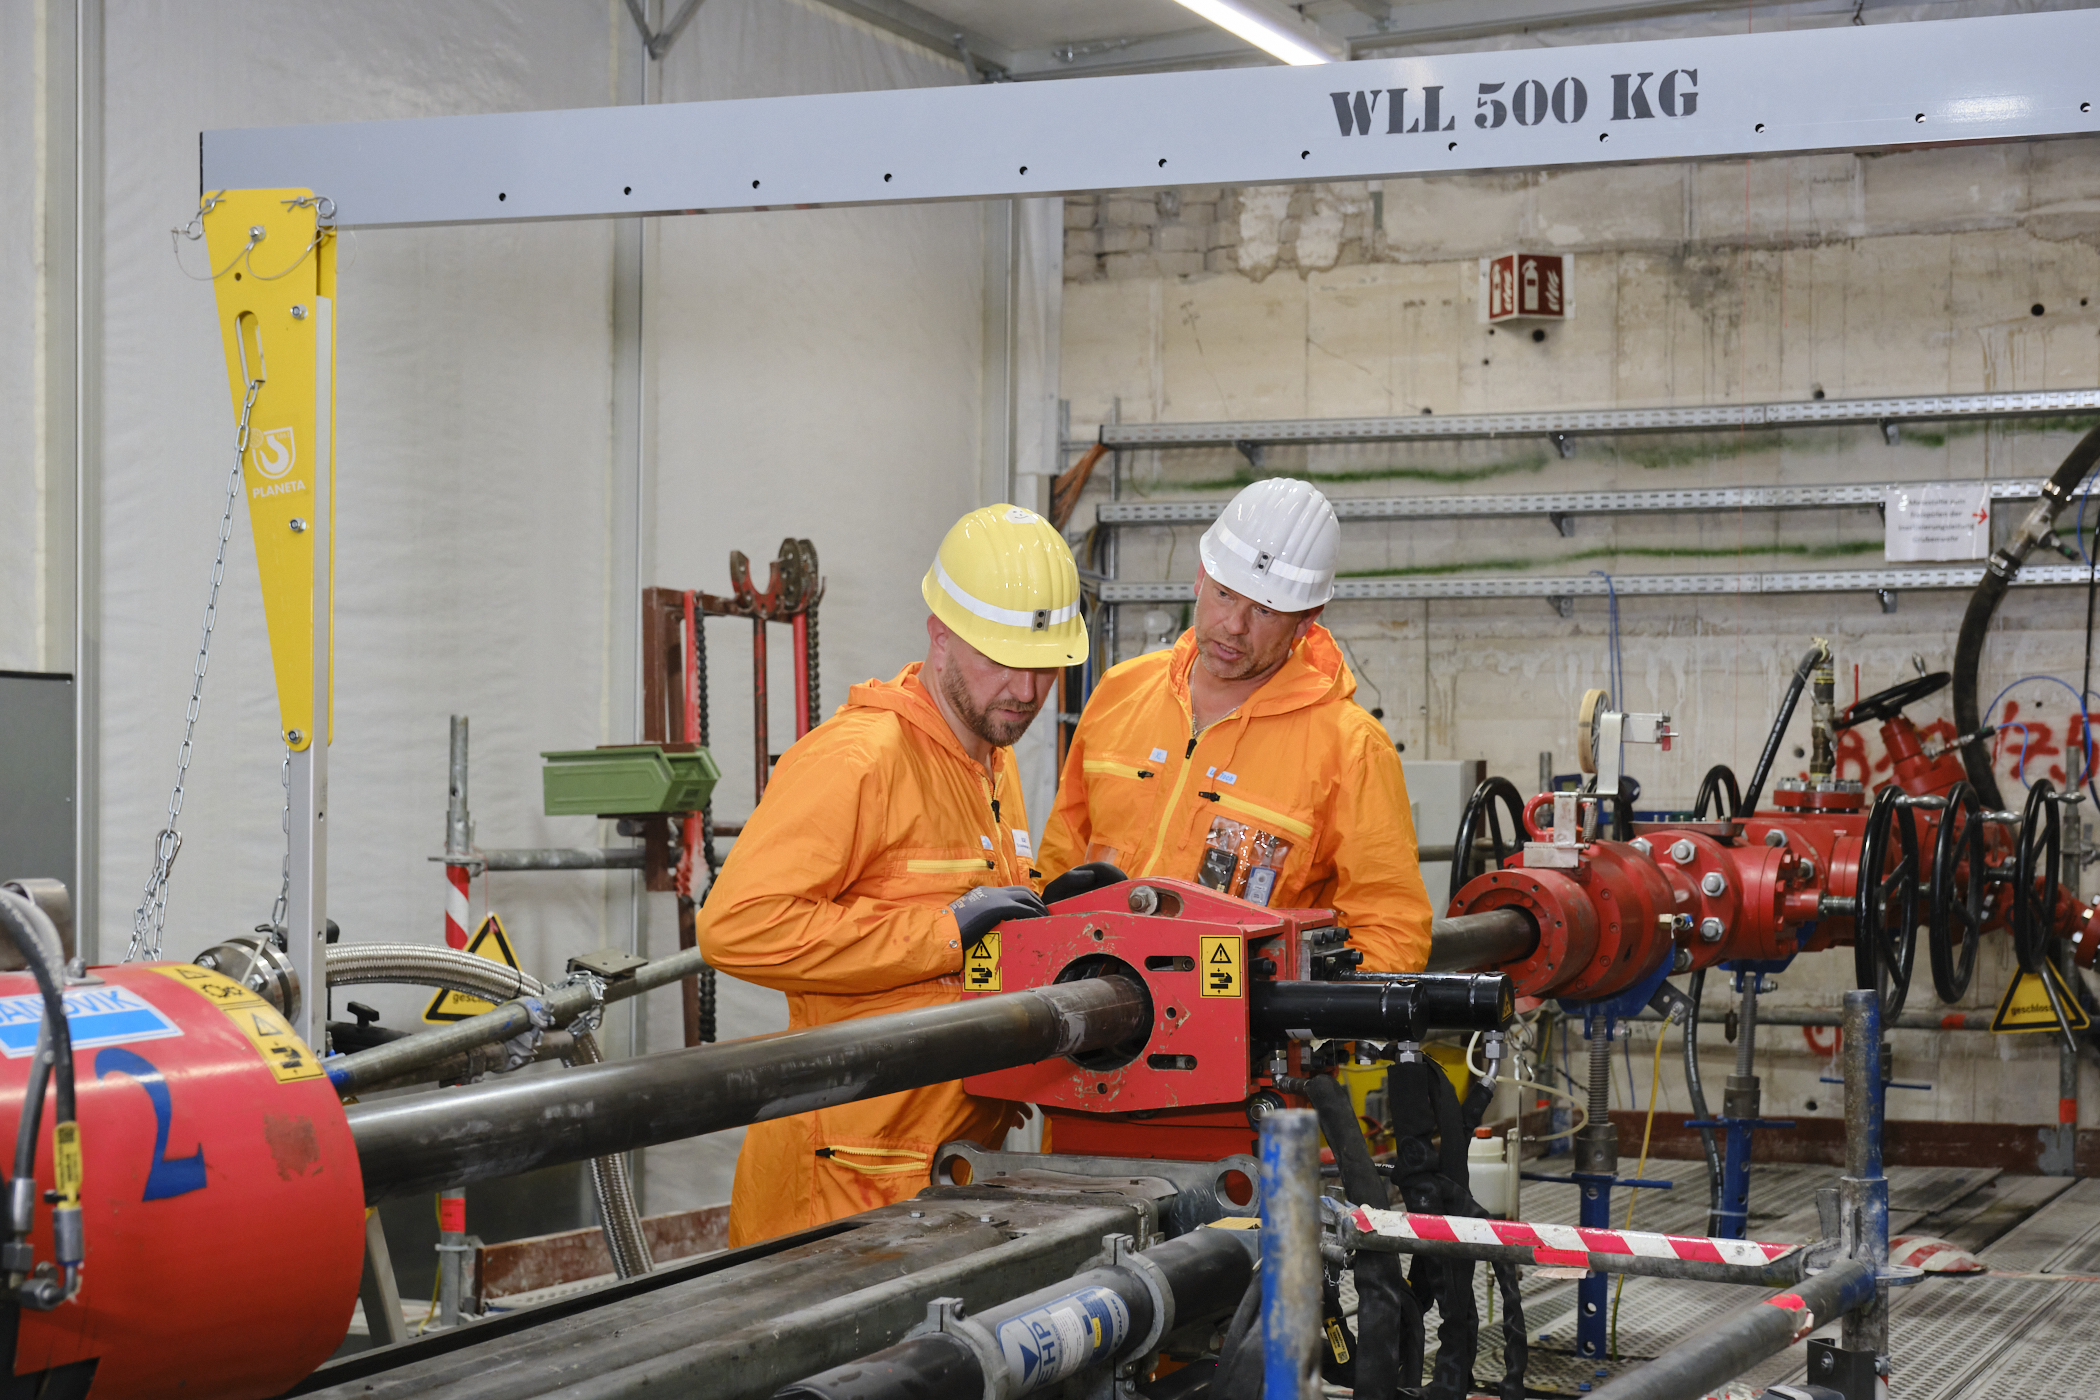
<point>417,1145</point>
<point>1405,1006</point>
<point>1204,1274</point>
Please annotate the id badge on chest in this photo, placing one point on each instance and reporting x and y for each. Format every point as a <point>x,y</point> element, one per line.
<point>1242,860</point>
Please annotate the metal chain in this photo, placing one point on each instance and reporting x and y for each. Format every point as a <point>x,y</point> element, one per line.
<point>281,911</point>
<point>148,920</point>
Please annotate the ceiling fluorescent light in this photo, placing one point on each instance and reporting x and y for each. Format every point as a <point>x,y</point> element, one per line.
<point>1274,29</point>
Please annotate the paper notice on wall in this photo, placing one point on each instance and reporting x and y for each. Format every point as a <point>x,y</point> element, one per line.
<point>1948,521</point>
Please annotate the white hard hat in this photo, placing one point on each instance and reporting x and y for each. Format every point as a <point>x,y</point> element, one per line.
<point>1276,544</point>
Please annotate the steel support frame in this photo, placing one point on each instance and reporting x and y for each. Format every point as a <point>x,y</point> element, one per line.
<point>2000,78</point>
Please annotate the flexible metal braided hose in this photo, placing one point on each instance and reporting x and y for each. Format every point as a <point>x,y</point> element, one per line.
<point>417,964</point>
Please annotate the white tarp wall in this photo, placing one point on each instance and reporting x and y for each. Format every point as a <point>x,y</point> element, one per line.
<point>520,449</point>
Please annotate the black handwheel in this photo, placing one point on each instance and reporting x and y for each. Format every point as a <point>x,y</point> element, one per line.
<point>2038,857</point>
<point>1885,938</point>
<point>1717,785</point>
<point>1959,883</point>
<point>1887,704</point>
<point>1482,804</point>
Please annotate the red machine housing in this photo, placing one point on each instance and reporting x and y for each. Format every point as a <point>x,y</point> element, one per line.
<point>222,1201</point>
<point>1182,1093</point>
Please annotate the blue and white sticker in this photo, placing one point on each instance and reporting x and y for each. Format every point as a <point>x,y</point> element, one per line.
<point>1159,755</point>
<point>1022,848</point>
<point>1047,1344</point>
<point>96,1016</point>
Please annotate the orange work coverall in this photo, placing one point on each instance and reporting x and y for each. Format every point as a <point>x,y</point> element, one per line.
<point>836,894</point>
<point>1294,800</point>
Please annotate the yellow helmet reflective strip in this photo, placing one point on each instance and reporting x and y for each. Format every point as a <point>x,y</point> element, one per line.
<point>1010,617</point>
<point>1273,566</point>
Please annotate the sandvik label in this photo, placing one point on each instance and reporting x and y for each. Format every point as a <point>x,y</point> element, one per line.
<point>1053,1341</point>
<point>96,1015</point>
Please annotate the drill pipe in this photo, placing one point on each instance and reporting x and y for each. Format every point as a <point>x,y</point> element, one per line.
<point>1487,939</point>
<point>416,1145</point>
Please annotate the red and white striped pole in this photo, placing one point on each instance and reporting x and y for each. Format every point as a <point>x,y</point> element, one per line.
<point>1575,1246</point>
<point>459,838</point>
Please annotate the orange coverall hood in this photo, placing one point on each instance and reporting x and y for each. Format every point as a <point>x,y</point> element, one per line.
<point>837,895</point>
<point>1299,783</point>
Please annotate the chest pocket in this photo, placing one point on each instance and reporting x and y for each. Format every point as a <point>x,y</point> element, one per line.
<point>1253,850</point>
<point>928,874</point>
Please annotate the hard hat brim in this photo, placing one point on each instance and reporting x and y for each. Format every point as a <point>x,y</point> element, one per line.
<point>1061,644</point>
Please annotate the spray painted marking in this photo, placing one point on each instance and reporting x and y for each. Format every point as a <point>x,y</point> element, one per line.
<point>1051,1342</point>
<point>96,1016</point>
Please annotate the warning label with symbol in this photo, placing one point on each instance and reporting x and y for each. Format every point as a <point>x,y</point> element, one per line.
<point>1224,966</point>
<point>981,964</point>
<point>491,942</point>
<point>2025,1006</point>
<point>274,1039</point>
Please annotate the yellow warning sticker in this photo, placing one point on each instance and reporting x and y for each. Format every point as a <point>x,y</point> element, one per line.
<point>981,964</point>
<point>2025,1006</point>
<point>491,942</point>
<point>274,1039</point>
<point>1224,966</point>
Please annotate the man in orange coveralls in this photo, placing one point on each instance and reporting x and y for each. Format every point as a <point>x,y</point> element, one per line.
<point>1238,758</point>
<point>889,837</point>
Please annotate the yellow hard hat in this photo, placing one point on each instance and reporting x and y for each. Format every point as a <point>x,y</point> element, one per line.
<point>1004,582</point>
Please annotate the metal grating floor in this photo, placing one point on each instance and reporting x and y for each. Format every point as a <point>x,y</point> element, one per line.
<point>1976,1338</point>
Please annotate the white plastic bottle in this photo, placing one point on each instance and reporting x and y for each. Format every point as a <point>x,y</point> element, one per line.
<point>1492,1172</point>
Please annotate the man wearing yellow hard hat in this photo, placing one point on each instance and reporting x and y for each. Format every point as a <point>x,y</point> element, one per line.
<point>889,837</point>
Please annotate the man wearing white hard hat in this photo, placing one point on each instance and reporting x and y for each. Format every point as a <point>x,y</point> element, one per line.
<point>890,837</point>
<point>1239,757</point>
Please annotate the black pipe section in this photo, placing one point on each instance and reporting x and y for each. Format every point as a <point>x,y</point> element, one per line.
<point>417,1145</point>
<point>1405,1006</point>
<point>1206,1272</point>
<point>1983,606</point>
<point>1817,653</point>
<point>1717,1354</point>
<point>1487,939</point>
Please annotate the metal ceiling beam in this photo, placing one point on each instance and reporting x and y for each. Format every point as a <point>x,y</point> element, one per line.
<point>2001,78</point>
<point>923,27</point>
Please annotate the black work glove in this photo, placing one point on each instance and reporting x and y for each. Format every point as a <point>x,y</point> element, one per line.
<point>988,906</point>
<point>1082,879</point>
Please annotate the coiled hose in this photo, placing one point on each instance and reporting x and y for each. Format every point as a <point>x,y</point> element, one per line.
<point>1983,606</point>
<point>417,964</point>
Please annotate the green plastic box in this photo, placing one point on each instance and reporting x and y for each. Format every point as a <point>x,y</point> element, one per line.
<point>627,780</point>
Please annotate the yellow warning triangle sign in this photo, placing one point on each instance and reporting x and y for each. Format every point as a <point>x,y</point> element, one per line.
<point>2025,1006</point>
<point>491,942</point>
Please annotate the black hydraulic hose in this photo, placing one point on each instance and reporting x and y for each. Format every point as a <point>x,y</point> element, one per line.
<point>20,917</point>
<point>1816,654</point>
<point>1983,606</point>
<point>1380,1315</point>
<point>1697,1092</point>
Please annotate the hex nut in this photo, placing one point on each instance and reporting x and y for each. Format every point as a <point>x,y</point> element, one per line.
<point>1682,853</point>
<point>1710,930</point>
<point>1713,884</point>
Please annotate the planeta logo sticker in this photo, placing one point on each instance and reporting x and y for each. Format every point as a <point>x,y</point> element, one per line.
<point>276,453</point>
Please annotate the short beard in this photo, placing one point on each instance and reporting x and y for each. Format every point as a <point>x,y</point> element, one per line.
<point>999,734</point>
<point>1248,667</point>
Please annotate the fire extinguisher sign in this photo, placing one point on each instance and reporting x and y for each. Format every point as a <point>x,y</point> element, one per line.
<point>1524,286</point>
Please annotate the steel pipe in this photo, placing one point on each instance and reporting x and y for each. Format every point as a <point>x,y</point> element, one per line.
<point>1290,1256</point>
<point>1707,1360</point>
<point>1605,1251</point>
<point>1908,1021</point>
<point>559,858</point>
<point>1467,941</point>
<point>413,1146</point>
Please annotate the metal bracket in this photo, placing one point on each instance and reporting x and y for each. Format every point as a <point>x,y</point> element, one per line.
<point>946,1315</point>
<point>1566,445</point>
<point>1891,431</point>
<point>1251,450</point>
<point>1887,598</point>
<point>608,964</point>
<point>1563,522</point>
<point>1562,604</point>
<point>659,43</point>
<point>1121,1252</point>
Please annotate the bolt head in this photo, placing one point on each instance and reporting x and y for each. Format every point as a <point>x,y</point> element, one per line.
<point>293,736</point>
<point>298,524</point>
<point>298,312</point>
<point>1644,846</point>
<point>1714,884</point>
<point>1682,853</point>
<point>1710,930</point>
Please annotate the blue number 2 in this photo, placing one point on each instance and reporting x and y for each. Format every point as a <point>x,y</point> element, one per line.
<point>164,1178</point>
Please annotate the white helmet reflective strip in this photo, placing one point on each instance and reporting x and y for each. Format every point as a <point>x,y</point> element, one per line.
<point>1265,564</point>
<point>1007,616</point>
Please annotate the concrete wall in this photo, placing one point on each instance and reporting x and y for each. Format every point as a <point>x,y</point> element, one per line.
<point>1839,276</point>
